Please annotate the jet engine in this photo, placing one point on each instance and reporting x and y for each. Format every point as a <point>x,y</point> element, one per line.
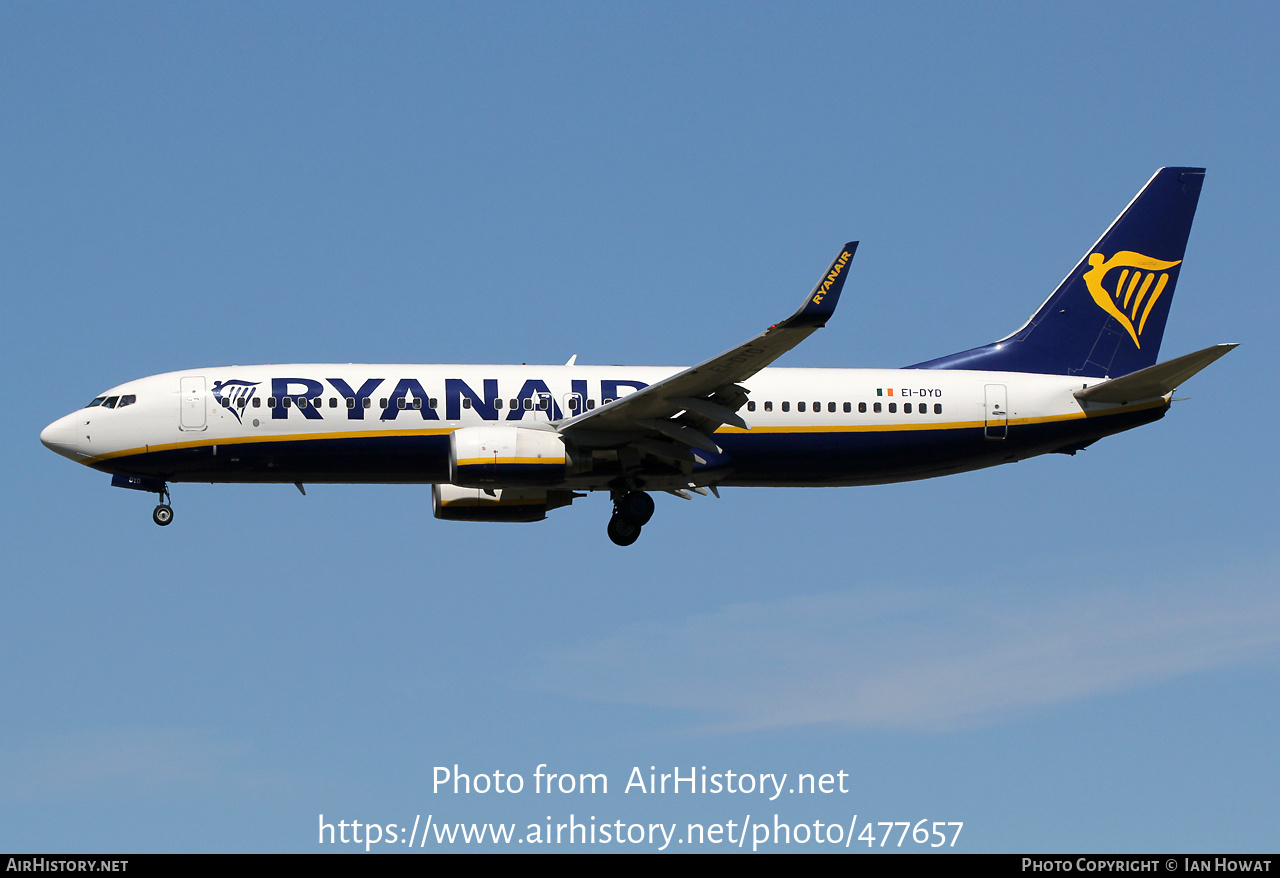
<point>493,455</point>
<point>454,503</point>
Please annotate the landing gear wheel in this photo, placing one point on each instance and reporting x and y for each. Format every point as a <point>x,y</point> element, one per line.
<point>623,531</point>
<point>637,506</point>
<point>162,515</point>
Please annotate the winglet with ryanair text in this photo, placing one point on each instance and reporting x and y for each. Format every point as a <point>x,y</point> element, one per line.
<point>822,302</point>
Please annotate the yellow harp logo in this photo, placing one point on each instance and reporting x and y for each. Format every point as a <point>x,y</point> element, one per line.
<point>1131,299</point>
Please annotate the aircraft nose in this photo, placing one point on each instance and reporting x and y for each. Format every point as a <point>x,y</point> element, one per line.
<point>60,437</point>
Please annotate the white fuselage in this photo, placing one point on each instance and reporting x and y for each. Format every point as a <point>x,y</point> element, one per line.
<point>390,423</point>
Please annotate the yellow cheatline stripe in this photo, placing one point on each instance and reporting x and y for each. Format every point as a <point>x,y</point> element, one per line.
<point>438,431</point>
<point>855,428</point>
<point>929,425</point>
<point>289,437</point>
<point>490,461</point>
<point>474,503</point>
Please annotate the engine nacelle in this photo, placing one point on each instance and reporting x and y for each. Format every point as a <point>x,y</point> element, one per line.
<point>493,455</point>
<point>452,503</point>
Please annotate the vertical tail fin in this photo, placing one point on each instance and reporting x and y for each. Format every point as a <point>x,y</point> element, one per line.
<point>1107,317</point>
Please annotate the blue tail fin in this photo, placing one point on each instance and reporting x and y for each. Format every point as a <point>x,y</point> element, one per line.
<point>1107,317</point>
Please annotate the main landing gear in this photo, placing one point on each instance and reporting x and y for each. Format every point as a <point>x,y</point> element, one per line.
<point>163,513</point>
<point>631,511</point>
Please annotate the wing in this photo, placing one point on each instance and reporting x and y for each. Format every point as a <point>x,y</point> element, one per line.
<point>676,414</point>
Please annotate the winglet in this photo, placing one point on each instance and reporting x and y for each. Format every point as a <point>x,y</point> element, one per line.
<point>821,303</point>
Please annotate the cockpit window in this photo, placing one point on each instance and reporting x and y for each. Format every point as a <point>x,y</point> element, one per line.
<point>128,399</point>
<point>96,401</point>
<point>110,402</point>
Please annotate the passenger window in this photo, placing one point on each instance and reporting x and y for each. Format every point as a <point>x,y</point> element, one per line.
<point>286,401</point>
<point>607,401</point>
<point>831,406</point>
<point>937,408</point>
<point>799,406</point>
<point>862,408</point>
<point>768,406</point>
<point>876,408</point>
<point>528,404</point>
<point>817,406</point>
<point>591,403</point>
<point>400,403</point>
<point>333,402</point>
<point>786,406</point>
<point>906,408</point>
<point>515,404</point>
<point>431,403</point>
<point>351,402</point>
<point>368,403</point>
<point>893,408</point>
<point>226,402</point>
<point>271,401</point>
<point>466,402</point>
<point>382,403</point>
<point>302,402</point>
<point>751,406</point>
<point>543,403</point>
<point>240,403</point>
<point>257,402</point>
<point>497,404</point>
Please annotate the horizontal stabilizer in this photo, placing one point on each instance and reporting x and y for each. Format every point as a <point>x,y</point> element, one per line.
<point>1153,381</point>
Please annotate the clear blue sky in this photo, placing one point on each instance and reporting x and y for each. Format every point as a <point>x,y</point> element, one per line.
<point>1066,654</point>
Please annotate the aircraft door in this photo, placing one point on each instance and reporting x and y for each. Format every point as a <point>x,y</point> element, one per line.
<point>194,400</point>
<point>574,405</point>
<point>543,403</point>
<point>997,412</point>
<point>538,407</point>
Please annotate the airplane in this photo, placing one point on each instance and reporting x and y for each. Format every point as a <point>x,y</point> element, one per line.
<point>512,443</point>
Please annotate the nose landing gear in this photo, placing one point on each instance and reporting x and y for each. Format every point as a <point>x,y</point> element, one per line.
<point>631,511</point>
